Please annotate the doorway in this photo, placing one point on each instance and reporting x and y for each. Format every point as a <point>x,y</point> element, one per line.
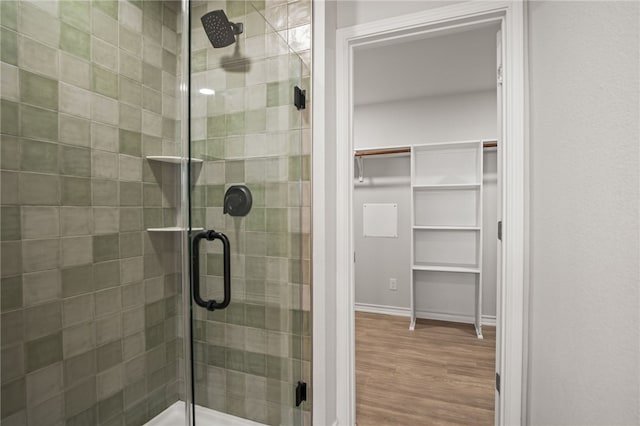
<point>509,276</point>
<point>424,226</point>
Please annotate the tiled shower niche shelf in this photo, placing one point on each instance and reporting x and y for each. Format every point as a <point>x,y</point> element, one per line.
<point>171,159</point>
<point>172,229</point>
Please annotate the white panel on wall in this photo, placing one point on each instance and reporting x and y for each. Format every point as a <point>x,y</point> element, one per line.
<point>380,220</point>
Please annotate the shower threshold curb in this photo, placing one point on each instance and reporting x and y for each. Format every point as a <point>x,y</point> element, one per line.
<point>174,415</point>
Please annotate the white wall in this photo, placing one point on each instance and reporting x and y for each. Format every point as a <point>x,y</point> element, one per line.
<point>379,259</point>
<point>352,12</point>
<point>584,347</point>
<point>444,118</point>
<point>387,180</point>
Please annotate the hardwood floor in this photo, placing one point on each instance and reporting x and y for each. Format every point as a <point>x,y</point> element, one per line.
<point>439,374</point>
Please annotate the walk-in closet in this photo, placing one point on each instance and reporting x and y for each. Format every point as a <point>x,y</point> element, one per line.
<point>425,221</point>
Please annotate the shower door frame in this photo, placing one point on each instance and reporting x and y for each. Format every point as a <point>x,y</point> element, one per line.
<point>510,403</point>
<point>184,221</point>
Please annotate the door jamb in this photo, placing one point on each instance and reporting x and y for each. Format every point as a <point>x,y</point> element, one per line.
<point>515,194</point>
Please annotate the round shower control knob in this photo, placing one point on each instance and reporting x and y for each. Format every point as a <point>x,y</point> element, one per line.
<point>237,200</point>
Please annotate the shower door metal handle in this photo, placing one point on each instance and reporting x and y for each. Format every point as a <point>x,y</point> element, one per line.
<point>211,235</point>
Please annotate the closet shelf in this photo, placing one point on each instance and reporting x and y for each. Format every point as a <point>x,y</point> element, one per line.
<point>171,159</point>
<point>172,229</point>
<point>447,186</point>
<point>486,143</point>
<point>446,228</point>
<point>470,269</point>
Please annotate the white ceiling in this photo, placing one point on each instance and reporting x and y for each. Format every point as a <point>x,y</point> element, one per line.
<point>454,63</point>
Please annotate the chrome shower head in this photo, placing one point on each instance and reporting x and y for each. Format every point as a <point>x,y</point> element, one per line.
<point>220,31</point>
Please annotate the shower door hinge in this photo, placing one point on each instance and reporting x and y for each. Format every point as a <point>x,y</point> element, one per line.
<point>498,382</point>
<point>301,393</point>
<point>299,98</point>
<point>500,230</point>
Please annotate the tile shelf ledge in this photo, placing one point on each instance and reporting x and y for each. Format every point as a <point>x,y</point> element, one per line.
<point>171,159</point>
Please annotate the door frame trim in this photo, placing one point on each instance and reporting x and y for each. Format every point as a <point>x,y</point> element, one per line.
<point>515,195</point>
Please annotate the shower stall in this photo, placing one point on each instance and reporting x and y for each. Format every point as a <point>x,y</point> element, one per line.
<point>155,212</point>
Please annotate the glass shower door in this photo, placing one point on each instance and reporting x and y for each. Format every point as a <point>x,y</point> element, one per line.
<point>246,220</point>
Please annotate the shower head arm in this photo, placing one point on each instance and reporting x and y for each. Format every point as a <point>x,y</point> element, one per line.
<point>237,28</point>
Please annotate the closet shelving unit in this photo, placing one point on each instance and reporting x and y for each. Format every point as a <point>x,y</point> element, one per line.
<point>446,216</point>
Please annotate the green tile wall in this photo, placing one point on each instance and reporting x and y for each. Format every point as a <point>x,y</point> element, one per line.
<point>89,299</point>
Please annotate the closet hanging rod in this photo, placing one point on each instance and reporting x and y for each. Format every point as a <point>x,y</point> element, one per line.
<point>382,152</point>
<point>387,151</point>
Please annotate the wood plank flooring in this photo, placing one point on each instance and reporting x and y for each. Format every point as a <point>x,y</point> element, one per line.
<point>439,374</point>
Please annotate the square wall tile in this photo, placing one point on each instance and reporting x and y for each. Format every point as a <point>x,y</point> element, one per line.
<point>77,280</point>
<point>74,41</point>
<point>104,82</point>
<point>75,221</point>
<point>75,161</point>
<point>76,250</point>
<point>106,274</point>
<point>40,222</point>
<point>39,156</point>
<point>38,123</point>
<point>75,71</point>
<point>106,247</point>
<point>75,13</point>
<point>75,100</point>
<point>78,310</point>
<point>43,351</point>
<point>42,320</point>
<point>39,91</point>
<point>41,286</point>
<point>40,255</point>
<point>78,339</point>
<point>76,191</point>
<point>74,130</point>
<point>38,189</point>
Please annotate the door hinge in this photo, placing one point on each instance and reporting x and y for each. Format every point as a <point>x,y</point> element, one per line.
<point>499,74</point>
<point>498,382</point>
<point>301,393</point>
<point>299,98</point>
<point>500,230</point>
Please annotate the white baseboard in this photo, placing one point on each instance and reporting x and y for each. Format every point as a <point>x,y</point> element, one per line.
<point>406,312</point>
